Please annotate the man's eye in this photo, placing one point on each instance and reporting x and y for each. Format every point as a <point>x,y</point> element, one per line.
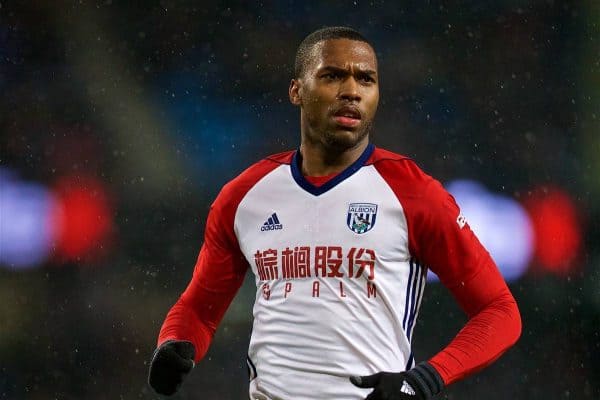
<point>331,76</point>
<point>367,78</point>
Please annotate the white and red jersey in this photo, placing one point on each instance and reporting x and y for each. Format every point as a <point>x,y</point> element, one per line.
<point>340,271</point>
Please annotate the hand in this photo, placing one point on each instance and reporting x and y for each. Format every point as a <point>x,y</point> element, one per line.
<point>170,364</point>
<point>420,383</point>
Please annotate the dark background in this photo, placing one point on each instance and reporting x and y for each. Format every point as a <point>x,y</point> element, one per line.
<point>162,102</point>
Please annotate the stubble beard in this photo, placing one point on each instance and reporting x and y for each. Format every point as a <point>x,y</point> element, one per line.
<point>336,143</point>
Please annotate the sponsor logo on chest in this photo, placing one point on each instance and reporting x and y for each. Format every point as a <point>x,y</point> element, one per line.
<point>361,217</point>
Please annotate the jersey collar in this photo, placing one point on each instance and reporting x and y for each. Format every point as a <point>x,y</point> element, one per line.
<point>342,176</point>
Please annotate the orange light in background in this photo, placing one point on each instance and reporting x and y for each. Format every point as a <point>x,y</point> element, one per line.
<point>557,229</point>
<point>83,219</point>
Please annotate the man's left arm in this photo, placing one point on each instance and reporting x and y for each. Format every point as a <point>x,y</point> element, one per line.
<point>464,266</point>
<point>494,325</point>
<point>440,238</point>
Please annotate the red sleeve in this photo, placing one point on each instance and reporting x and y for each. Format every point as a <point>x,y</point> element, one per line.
<point>447,245</point>
<point>219,271</point>
<point>218,274</point>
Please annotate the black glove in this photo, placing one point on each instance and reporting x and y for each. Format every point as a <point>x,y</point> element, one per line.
<point>420,383</point>
<point>170,364</point>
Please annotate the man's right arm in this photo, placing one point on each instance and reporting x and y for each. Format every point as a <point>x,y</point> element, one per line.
<point>191,323</point>
<point>218,275</point>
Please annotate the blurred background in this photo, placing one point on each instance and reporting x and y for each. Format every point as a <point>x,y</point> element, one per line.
<point>120,122</point>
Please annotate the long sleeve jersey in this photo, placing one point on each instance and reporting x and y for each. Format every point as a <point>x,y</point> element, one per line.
<point>340,271</point>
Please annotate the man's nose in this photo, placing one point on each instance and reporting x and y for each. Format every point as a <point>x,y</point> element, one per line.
<point>349,90</point>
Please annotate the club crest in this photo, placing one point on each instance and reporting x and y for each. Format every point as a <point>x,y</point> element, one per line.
<point>361,217</point>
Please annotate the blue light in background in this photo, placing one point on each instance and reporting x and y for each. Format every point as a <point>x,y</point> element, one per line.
<point>215,134</point>
<point>25,222</point>
<point>501,224</point>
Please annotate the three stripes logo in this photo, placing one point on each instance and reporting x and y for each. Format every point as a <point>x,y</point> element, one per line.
<point>272,224</point>
<point>417,277</point>
<point>406,388</point>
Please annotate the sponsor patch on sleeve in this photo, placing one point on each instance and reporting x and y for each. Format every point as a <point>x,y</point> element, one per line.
<point>461,221</point>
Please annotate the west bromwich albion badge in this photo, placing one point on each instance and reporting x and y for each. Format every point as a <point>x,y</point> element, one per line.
<point>361,217</point>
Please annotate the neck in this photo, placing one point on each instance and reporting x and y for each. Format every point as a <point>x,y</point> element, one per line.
<point>320,161</point>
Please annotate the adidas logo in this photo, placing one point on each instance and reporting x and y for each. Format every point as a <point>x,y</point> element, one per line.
<point>271,224</point>
<point>407,389</point>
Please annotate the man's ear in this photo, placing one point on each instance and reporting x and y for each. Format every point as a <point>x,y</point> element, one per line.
<point>294,92</point>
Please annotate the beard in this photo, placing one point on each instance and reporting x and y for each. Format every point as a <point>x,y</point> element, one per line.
<point>339,141</point>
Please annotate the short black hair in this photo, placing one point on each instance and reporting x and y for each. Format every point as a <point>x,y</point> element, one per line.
<point>304,52</point>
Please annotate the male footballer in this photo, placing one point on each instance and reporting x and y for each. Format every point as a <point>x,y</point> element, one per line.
<point>339,235</point>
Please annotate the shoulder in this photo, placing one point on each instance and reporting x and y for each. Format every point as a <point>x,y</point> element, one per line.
<point>401,172</point>
<point>248,178</point>
<point>233,192</point>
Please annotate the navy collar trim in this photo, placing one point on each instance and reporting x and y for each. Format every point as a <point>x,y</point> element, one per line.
<point>342,176</point>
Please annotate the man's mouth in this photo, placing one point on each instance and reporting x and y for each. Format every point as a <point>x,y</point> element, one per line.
<point>347,116</point>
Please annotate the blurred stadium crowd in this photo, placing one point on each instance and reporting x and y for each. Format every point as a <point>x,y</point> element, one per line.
<point>120,121</point>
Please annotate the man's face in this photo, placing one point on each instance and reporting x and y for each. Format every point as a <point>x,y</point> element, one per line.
<point>338,93</point>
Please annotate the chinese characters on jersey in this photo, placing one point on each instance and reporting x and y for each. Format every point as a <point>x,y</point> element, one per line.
<point>304,262</point>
